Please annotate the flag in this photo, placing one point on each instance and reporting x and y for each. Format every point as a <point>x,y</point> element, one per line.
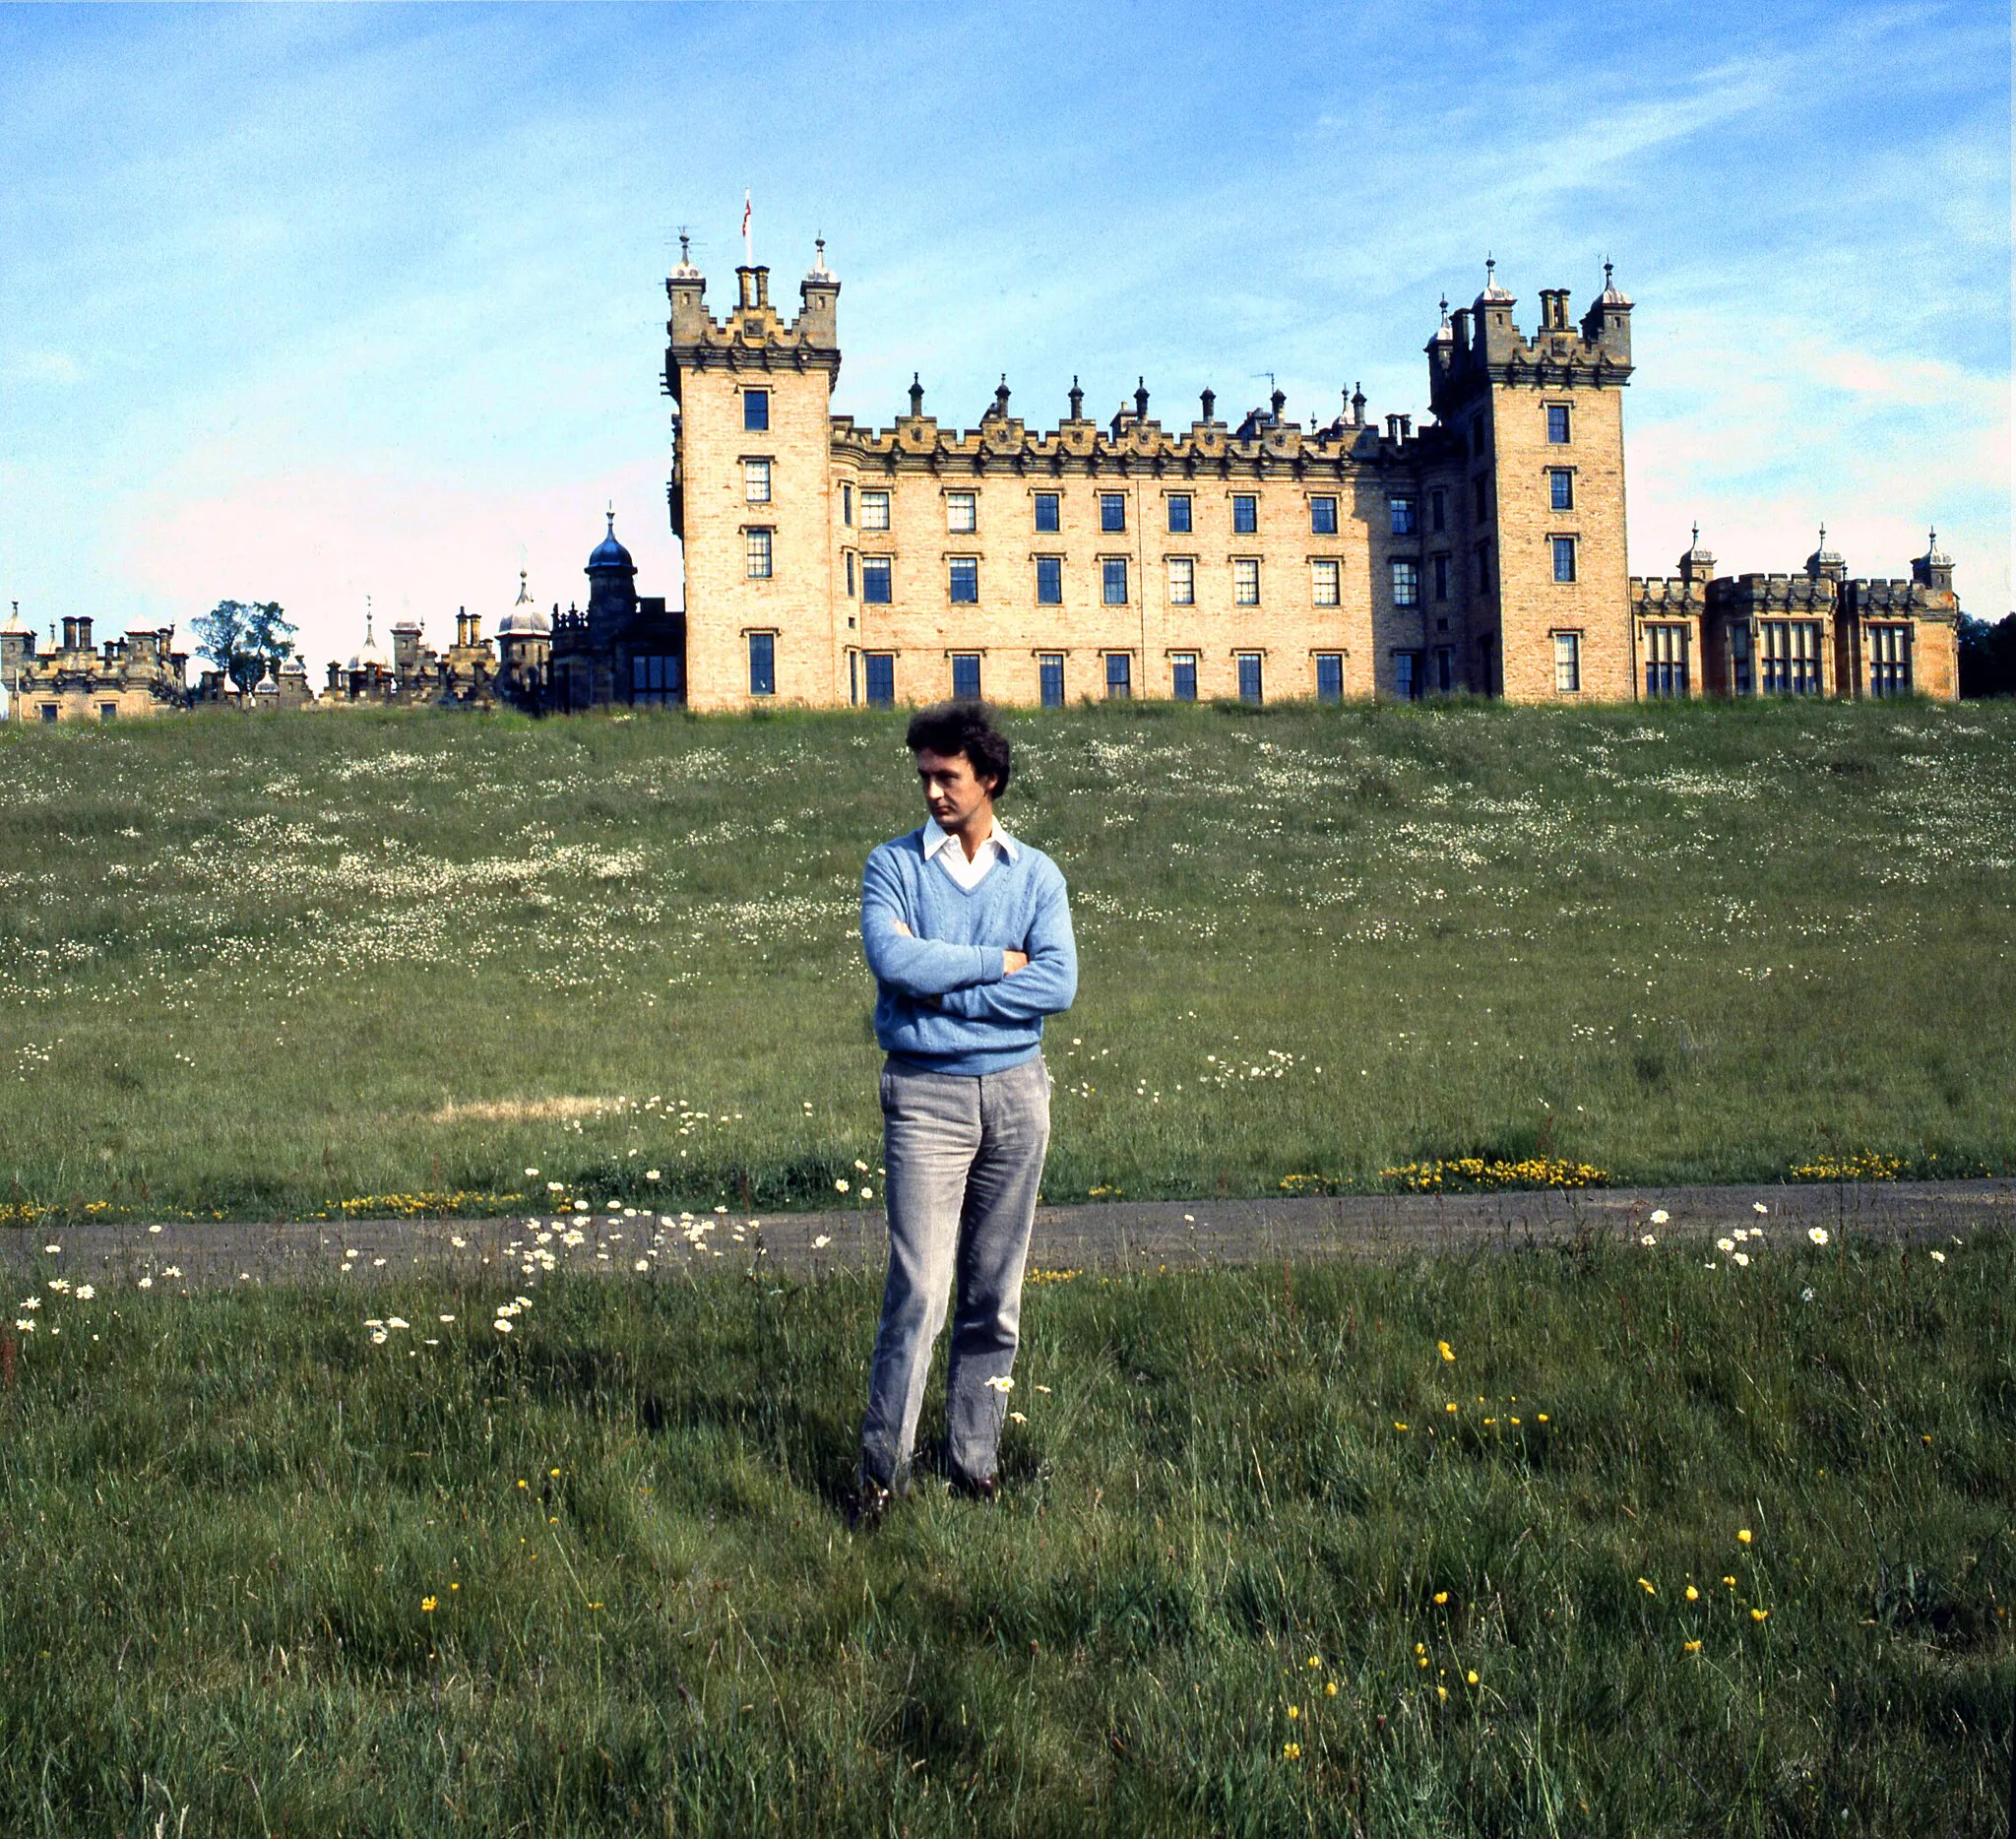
<point>745,214</point>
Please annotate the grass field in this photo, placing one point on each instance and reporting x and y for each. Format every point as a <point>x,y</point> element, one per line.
<point>262,967</point>
<point>1267,1560</point>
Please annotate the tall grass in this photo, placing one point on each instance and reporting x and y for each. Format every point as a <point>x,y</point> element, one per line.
<point>260,1573</point>
<point>262,967</point>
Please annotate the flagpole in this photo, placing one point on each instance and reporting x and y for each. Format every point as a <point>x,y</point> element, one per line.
<point>749,245</point>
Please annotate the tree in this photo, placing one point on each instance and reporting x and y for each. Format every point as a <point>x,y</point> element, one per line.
<point>1987,656</point>
<point>247,638</point>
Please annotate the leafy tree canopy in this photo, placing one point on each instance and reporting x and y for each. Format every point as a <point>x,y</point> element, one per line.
<point>247,638</point>
<point>1988,656</point>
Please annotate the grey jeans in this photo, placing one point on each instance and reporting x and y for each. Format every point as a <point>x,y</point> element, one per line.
<point>964,1157</point>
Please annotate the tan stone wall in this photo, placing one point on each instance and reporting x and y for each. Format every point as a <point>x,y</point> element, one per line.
<point>1533,605</point>
<point>923,626</point>
<point>724,604</point>
<point>76,705</point>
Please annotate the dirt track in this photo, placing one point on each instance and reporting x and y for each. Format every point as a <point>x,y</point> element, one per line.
<point>1121,1235</point>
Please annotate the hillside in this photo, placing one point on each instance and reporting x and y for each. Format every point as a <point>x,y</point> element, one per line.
<point>277,964</point>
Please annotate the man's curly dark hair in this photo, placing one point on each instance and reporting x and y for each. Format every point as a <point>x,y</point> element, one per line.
<point>967,727</point>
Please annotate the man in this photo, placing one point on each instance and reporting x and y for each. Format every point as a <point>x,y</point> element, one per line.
<point>969,934</point>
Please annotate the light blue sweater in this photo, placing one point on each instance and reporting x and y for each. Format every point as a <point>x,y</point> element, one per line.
<point>941,998</point>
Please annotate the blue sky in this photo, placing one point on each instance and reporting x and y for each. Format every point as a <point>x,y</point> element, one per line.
<point>307,304</point>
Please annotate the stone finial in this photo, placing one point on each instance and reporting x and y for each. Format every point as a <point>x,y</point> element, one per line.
<point>1209,398</point>
<point>1001,397</point>
<point>1358,404</point>
<point>1141,399</point>
<point>1077,402</point>
<point>1278,399</point>
<point>916,398</point>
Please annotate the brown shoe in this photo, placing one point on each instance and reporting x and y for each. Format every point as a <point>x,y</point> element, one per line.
<point>986,1489</point>
<point>865,1510</point>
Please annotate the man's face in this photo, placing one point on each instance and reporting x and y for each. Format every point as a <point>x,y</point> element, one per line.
<point>952,792</point>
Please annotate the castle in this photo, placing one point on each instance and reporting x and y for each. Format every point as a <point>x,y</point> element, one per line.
<point>1485,553</point>
<point>832,565</point>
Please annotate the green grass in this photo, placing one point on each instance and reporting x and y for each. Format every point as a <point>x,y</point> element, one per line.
<point>222,1516</point>
<point>262,967</point>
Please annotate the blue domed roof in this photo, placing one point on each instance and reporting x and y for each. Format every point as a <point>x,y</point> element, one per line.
<point>610,554</point>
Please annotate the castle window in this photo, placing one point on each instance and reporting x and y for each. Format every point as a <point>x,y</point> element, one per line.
<point>1179,514</point>
<point>756,412</point>
<point>1406,518</point>
<point>1406,584</point>
<point>1557,424</point>
<point>655,680</point>
<point>1441,566</point>
<point>1324,580</point>
<point>1046,511</point>
<point>962,512</point>
<point>874,509</point>
<point>1407,676</point>
<point>1564,558</point>
<point>1245,514</point>
<point>1049,581</point>
<point>1049,677</point>
<point>1446,668</point>
<point>108,712</point>
<point>1439,511</point>
<point>1560,488</point>
<point>1740,658</point>
<point>963,582</point>
<point>1113,581</point>
<point>850,574</point>
<point>1568,663</point>
<point>1665,661</point>
<point>48,709</point>
<point>1889,660</point>
<point>1246,581</point>
<point>879,667</point>
<point>1183,581</point>
<point>966,675</point>
<point>1788,654</point>
<point>1112,510</point>
<point>756,481</point>
<point>1329,677</point>
<point>1249,676</point>
<point>875,573</point>
<point>1119,676</point>
<point>759,553</point>
<point>1323,517</point>
<point>1183,675</point>
<point>763,664</point>
<point>846,503</point>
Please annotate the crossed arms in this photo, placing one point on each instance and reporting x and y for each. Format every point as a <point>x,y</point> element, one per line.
<point>976,982</point>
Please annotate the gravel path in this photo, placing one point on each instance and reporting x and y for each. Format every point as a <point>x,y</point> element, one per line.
<point>1119,1235</point>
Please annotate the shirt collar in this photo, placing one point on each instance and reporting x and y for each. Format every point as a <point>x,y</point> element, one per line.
<point>936,839</point>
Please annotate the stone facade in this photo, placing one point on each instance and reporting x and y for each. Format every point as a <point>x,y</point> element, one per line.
<point>1817,633</point>
<point>75,680</point>
<point>831,564</point>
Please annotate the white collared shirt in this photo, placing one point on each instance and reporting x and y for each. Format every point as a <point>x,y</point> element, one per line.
<point>968,874</point>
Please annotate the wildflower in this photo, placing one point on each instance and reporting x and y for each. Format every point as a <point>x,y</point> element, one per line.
<point>1315,1662</point>
<point>1542,1417</point>
<point>1725,1244</point>
<point>1741,1258</point>
<point>1742,1536</point>
<point>1397,1425</point>
<point>1646,1585</point>
<point>582,1206</point>
<point>1805,1296</point>
<point>999,1382</point>
<point>1442,1693</point>
<point>502,1325</point>
<point>24,1323</point>
<point>378,1337</point>
<point>1693,1595</point>
<point>52,1250</point>
<point>397,1321</point>
<point>642,1264</point>
<point>1441,1597</point>
<point>522,1483</point>
<point>1659,1215</point>
<point>1470,1677</point>
<point>1442,1348</point>
<point>1328,1689</point>
<point>427,1606</point>
<point>555,1473</point>
<point>1731,1582</point>
<point>532,1171</point>
<point>1649,1239</point>
<point>1292,1751</point>
<point>1294,1711</point>
<point>1757,1206</point>
<point>822,1242</point>
<point>146,1283</point>
<point>85,1291</point>
<point>652,1175</point>
<point>447,1318</point>
<point>1449,1407</point>
<point>867,1194</point>
<point>1817,1233</point>
<point>1758,1615</point>
<point>1016,1417</point>
<point>458,1242</point>
<point>1690,1647</point>
<point>1938,1257</point>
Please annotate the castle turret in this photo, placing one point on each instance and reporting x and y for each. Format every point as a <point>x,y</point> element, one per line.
<point>1697,565</point>
<point>1934,570</point>
<point>611,586</point>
